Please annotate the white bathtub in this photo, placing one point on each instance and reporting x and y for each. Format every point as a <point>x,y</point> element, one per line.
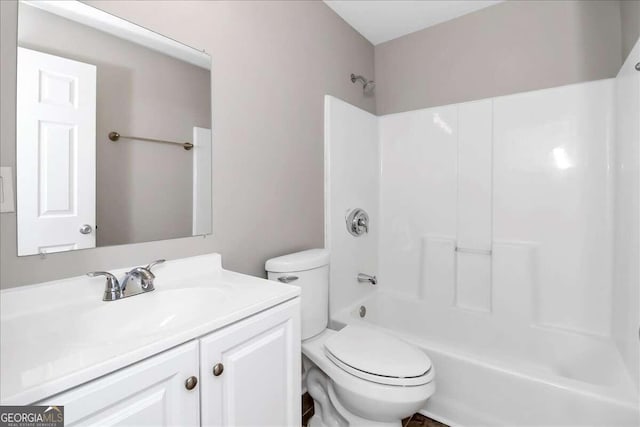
<point>512,375</point>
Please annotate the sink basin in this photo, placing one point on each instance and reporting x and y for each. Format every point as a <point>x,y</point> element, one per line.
<point>103,323</point>
<point>150,314</point>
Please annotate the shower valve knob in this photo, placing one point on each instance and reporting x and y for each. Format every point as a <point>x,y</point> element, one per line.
<point>357,222</point>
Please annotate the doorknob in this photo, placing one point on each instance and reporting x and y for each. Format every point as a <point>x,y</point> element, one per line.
<point>86,229</point>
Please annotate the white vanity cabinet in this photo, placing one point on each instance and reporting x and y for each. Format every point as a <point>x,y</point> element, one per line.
<point>258,386</point>
<point>149,393</point>
<point>250,371</point>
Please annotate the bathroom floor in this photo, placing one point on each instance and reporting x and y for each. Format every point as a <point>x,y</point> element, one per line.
<point>416,420</point>
<point>419,420</point>
<point>307,409</point>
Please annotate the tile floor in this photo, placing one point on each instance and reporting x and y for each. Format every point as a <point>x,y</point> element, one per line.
<point>416,420</point>
<point>419,420</point>
<point>307,409</point>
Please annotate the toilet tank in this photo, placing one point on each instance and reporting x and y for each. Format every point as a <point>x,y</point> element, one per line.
<point>310,271</point>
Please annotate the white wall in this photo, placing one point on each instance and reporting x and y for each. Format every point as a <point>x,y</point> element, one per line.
<point>418,193</point>
<point>351,181</point>
<point>553,186</point>
<point>499,210</point>
<point>626,289</point>
<point>525,176</point>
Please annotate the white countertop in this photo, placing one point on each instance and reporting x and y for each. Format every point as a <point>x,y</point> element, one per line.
<point>57,335</point>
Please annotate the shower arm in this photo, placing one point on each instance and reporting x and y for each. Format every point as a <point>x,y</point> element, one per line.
<point>355,78</point>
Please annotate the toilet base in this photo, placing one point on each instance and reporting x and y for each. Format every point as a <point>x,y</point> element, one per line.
<point>316,421</point>
<point>328,410</point>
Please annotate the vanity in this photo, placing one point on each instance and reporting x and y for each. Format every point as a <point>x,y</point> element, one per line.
<point>110,151</point>
<point>207,347</point>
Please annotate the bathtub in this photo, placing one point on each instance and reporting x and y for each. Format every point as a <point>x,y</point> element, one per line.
<point>490,374</point>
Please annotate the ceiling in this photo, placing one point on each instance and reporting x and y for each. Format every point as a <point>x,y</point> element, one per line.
<point>382,20</point>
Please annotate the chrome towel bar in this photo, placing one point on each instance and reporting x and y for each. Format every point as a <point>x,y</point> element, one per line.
<point>115,136</point>
<point>473,251</point>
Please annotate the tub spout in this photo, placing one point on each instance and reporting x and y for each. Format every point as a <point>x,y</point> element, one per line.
<point>366,278</point>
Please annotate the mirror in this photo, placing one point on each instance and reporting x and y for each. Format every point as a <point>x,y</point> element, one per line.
<point>113,139</point>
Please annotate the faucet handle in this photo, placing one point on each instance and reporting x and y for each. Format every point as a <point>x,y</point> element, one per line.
<point>112,288</point>
<point>364,223</point>
<point>109,276</point>
<point>145,274</point>
<point>154,263</point>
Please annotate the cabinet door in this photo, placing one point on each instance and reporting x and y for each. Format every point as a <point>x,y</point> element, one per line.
<point>149,393</point>
<point>260,381</point>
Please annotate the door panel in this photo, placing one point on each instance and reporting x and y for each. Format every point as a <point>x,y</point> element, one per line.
<point>149,393</point>
<point>202,181</point>
<point>56,169</point>
<point>260,383</point>
<point>56,142</point>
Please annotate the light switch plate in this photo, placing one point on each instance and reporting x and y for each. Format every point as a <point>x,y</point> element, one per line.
<point>6,189</point>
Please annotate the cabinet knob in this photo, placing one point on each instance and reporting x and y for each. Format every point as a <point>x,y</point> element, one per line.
<point>191,383</point>
<point>217,369</point>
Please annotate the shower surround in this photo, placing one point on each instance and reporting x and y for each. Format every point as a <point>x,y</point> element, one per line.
<point>503,233</point>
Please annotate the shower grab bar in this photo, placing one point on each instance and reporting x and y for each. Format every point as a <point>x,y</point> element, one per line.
<point>115,136</point>
<point>473,251</point>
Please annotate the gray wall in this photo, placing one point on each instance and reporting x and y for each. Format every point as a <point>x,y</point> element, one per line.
<point>272,64</point>
<point>511,47</point>
<point>630,14</point>
<point>139,92</point>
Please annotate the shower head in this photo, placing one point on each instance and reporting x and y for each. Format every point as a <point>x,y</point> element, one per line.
<point>367,85</point>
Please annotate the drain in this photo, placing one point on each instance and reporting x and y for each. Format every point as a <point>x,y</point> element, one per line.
<point>363,311</point>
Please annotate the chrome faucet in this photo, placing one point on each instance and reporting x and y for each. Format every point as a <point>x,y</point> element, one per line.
<point>114,290</point>
<point>362,278</point>
<point>143,274</point>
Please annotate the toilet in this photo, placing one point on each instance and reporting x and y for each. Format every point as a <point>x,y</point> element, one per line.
<point>357,376</point>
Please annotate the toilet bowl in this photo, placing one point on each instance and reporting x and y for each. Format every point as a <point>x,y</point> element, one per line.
<point>358,376</point>
<point>385,399</point>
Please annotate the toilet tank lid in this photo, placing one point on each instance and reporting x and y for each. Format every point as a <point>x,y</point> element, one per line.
<point>299,261</point>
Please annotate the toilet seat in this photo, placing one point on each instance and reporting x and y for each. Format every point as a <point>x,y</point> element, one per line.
<point>378,357</point>
<point>380,379</point>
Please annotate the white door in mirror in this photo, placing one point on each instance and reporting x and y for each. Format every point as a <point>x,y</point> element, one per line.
<point>56,153</point>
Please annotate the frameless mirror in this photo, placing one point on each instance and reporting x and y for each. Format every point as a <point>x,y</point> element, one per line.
<point>113,139</point>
